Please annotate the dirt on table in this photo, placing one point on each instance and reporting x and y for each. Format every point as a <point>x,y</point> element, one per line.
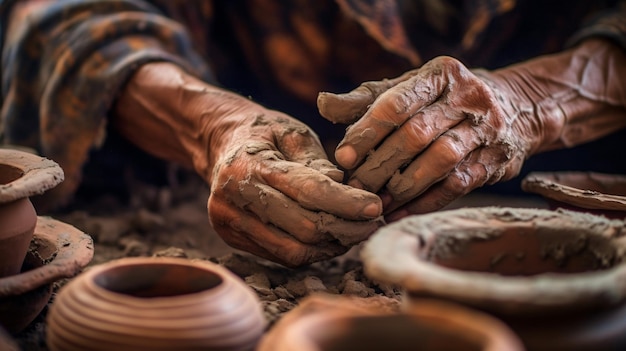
<point>172,221</point>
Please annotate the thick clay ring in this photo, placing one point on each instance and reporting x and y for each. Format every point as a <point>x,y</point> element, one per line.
<point>505,260</point>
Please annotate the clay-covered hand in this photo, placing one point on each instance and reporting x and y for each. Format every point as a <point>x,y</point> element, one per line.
<point>436,133</point>
<point>273,191</point>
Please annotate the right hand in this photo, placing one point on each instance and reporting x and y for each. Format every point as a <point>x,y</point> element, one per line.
<point>275,194</point>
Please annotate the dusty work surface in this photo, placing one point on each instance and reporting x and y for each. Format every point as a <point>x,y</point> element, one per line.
<point>172,221</point>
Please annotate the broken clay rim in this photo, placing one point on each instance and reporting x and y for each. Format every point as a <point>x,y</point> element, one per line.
<point>67,251</point>
<point>38,174</point>
<point>558,186</point>
<point>391,256</point>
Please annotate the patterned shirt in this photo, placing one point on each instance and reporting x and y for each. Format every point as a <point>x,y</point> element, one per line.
<point>63,64</point>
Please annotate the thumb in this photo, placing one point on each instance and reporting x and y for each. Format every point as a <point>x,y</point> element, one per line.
<point>349,107</point>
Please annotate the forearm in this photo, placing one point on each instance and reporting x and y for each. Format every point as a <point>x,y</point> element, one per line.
<point>576,96</point>
<point>175,116</point>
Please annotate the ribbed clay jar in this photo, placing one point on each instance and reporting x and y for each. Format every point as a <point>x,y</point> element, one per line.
<point>155,304</point>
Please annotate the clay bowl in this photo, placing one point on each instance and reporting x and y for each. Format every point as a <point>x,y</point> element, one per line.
<point>551,273</point>
<point>57,251</point>
<point>597,193</point>
<point>155,303</point>
<point>334,323</point>
<point>21,175</point>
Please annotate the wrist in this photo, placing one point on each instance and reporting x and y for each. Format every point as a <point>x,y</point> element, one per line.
<point>570,97</point>
<point>178,117</point>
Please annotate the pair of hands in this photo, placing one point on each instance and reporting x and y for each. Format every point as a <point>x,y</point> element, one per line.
<point>416,143</point>
<point>419,141</point>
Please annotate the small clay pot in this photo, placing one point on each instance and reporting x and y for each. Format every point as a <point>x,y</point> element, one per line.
<point>57,251</point>
<point>560,274</point>
<point>21,175</point>
<point>597,193</point>
<point>155,303</point>
<point>334,323</point>
<point>18,219</point>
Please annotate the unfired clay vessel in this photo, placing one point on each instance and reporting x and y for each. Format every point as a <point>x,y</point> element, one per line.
<point>597,193</point>
<point>557,277</point>
<point>57,251</point>
<point>334,323</point>
<point>155,303</point>
<point>34,252</point>
<point>22,175</point>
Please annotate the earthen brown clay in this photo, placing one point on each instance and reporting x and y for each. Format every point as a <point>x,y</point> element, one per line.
<point>57,251</point>
<point>556,276</point>
<point>155,303</point>
<point>332,323</point>
<point>22,175</point>
<point>597,193</point>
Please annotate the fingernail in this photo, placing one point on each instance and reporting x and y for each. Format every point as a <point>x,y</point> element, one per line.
<point>346,156</point>
<point>372,210</point>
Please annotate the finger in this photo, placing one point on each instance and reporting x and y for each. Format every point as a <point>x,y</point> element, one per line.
<point>403,145</point>
<point>306,226</point>
<point>299,144</point>
<point>245,232</point>
<point>469,175</point>
<point>347,108</point>
<point>317,192</point>
<point>435,163</point>
<point>388,112</point>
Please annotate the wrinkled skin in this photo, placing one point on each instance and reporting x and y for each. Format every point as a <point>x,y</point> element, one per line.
<point>275,194</point>
<point>436,133</point>
<point>273,191</point>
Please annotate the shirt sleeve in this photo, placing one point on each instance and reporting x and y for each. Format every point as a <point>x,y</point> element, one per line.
<point>64,65</point>
<point>610,24</point>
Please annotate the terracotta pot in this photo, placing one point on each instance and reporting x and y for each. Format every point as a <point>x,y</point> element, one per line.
<point>155,303</point>
<point>21,175</point>
<point>57,251</point>
<point>597,193</point>
<point>329,323</point>
<point>18,219</point>
<point>560,275</point>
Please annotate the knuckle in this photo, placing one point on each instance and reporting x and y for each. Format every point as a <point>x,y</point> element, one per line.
<point>449,153</point>
<point>417,134</point>
<point>448,62</point>
<point>458,183</point>
<point>394,105</point>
